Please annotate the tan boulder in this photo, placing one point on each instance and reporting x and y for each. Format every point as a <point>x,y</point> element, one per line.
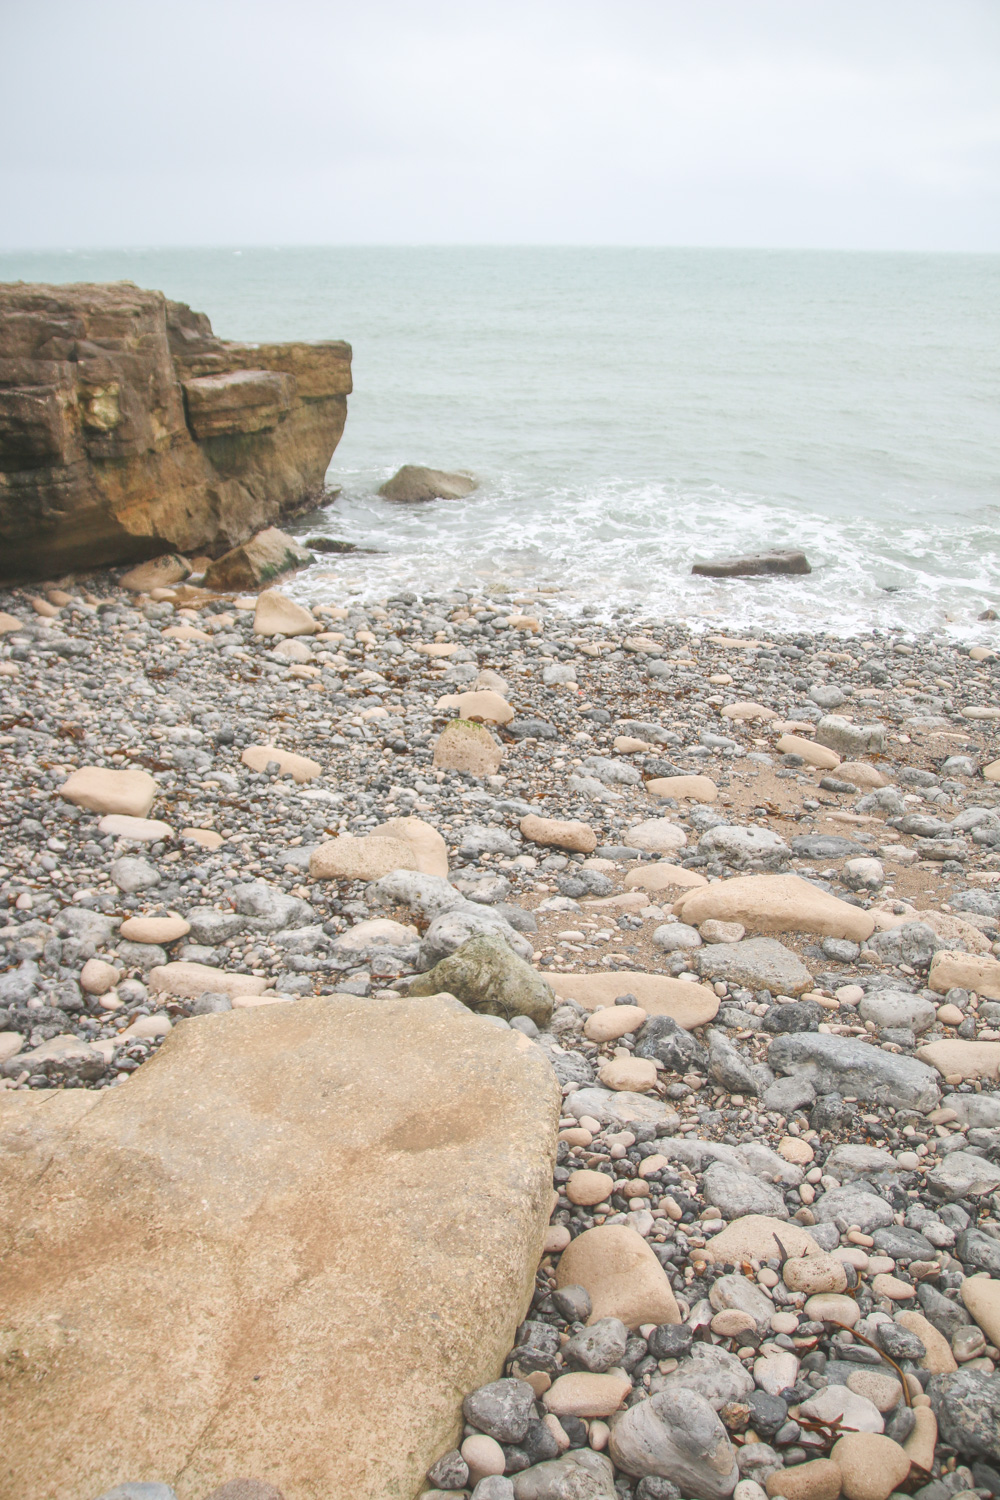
<point>414,484</point>
<point>97,976</point>
<point>871,1465</point>
<point>154,929</point>
<point>954,930</point>
<point>206,837</point>
<point>102,791</point>
<point>623,1276</point>
<point>776,903</point>
<point>992,771</point>
<point>558,833</point>
<point>275,614</point>
<point>981,1295</point>
<point>9,623</point>
<point>635,1074</point>
<point>186,633</point>
<point>920,1446</point>
<point>143,830</point>
<point>756,1236</point>
<point>663,876</point>
<point>158,573</point>
<point>694,788</point>
<point>485,705</point>
<point>265,556</point>
<point>465,746</point>
<point>811,753</point>
<point>582,1394</point>
<point>428,846</point>
<point>613,1021</point>
<point>368,858</point>
<point>188,981</point>
<point>657,835</point>
<point>232,1168</point>
<point>863,776</point>
<point>11,1043</point>
<point>299,767</point>
<point>965,971</point>
<point>689,1004</point>
<point>749,712</point>
<point>814,1273</point>
<point>586,1188</point>
<point>955,1057</point>
<point>939,1359</point>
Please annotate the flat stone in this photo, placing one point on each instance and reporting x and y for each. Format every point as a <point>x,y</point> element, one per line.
<point>275,614</point>
<point>937,1356</point>
<point>852,1203</point>
<point>622,1275</point>
<point>583,1394</point>
<point>142,830</point>
<point>838,1064</point>
<point>487,976</point>
<point>676,1435</point>
<point>896,1008</point>
<point>962,1175</point>
<point>743,846</point>
<point>588,1188</point>
<point>299,767</point>
<point>967,1407</point>
<point>817,1480</point>
<point>690,788</point>
<point>557,833</point>
<point>154,929</point>
<point>965,971</point>
<point>466,746</point>
<point>488,706</point>
<point>621,1107</point>
<point>369,858</point>
<point>663,876</point>
<point>756,963</point>
<point>814,1273</point>
<point>837,1403</point>
<point>658,835</point>
<point>714,1373</point>
<point>689,1004</point>
<point>773,904</point>
<point>880,1388</point>
<point>871,1466</point>
<point>376,932</point>
<point>953,1057</point>
<point>636,1074</point>
<point>102,791</point>
<point>755,1237</point>
<point>303,1246</point>
<point>188,981</point>
<point>738,1193</point>
<point>206,838</point>
<point>428,846</point>
<point>832,1307</point>
<point>813,755</point>
<point>612,1022</point>
<point>739,1292</point>
<point>849,1161</point>
<point>580,1474</point>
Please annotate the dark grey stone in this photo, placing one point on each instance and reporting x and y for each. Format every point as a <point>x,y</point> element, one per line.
<point>501,1409</point>
<point>967,1406</point>
<point>899,1343</point>
<point>661,1039</point>
<point>979,1251</point>
<point>826,846</point>
<point>903,1244</point>
<point>449,1472</point>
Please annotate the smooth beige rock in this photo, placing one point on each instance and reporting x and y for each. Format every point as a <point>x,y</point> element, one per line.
<point>965,971</point>
<point>146,1027</point>
<point>559,833</point>
<point>814,1273</point>
<point>713,931</point>
<point>658,835</point>
<point>817,1480</point>
<point>11,1043</point>
<point>428,846</point>
<point>663,876</point>
<point>833,1307</point>
<point>613,1021</point>
<point>256,562</point>
<point>749,712</point>
<point>188,981</point>
<point>864,776</point>
<point>368,858</point>
<point>207,838</point>
<point>275,614</point>
<point>955,931</point>
<point>154,929</point>
<point>992,771</point>
<point>162,1239</point>
<point>981,1295</point>
<point>97,976</point>
<point>732,1324</point>
<point>939,1358</point>
<point>775,903</point>
<point>299,767</point>
<point>586,1188</point>
<point>478,704</point>
<point>811,753</point>
<point>922,1441</point>
<point>693,788</point>
<point>187,633</point>
<point>376,930</point>
<point>465,746</point>
<point>581,1394</point>
<point>953,1056</point>
<point>796,1150</point>
<point>877,1386</point>
<point>483,1455</point>
<point>690,1004</point>
<point>636,1074</point>
<point>9,623</point>
<point>871,1465</point>
<point>884,1285</point>
<point>143,830</point>
<point>623,1276</point>
<point>102,791</point>
<point>158,573</point>
<point>436,649</point>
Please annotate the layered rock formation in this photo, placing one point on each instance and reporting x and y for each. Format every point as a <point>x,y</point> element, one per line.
<point>127,429</point>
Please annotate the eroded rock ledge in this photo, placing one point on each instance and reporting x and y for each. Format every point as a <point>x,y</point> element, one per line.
<point>128,429</point>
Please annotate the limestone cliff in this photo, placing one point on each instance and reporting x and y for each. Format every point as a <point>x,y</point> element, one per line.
<point>128,429</point>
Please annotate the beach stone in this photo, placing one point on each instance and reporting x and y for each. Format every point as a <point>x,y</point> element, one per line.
<point>819,756</point>
<point>676,937</point>
<point>658,835</point>
<point>851,1202</point>
<point>714,1373</point>
<point>589,1188</point>
<point>694,788</point>
<point>963,1175</point>
<point>487,705</point>
<point>676,1435</point>
<point>276,614</point>
<point>189,980</point>
<point>749,712</point>
<point>881,1389</point>
<point>374,932</point>
<point>482,1456</point>
<point>937,1356</point>
<point>896,1008</point>
<point>814,1273</point>
<point>452,929</point>
<point>775,1372</point>
<point>621,1274</point>
<point>97,976</point>
<point>837,1403</point>
<point>980,1251</point>
<point>206,837</point>
<point>663,876</point>
<point>102,791</point>
<point>131,874</point>
<point>574,836</point>
<point>981,1295</point>
<point>722,932</point>
<point>429,847</point>
<point>580,1474</point>
<point>832,1307</point>
<point>612,1022</point>
<point>487,976</point>
<point>582,1394</point>
<point>741,846</point>
<point>738,1193</point>
<point>731,1323</point>
<point>598,1347</point>
<point>154,929</point>
<point>740,1293</point>
<point>967,1407</point>
<point>757,964</point>
<point>636,1074</point>
<point>965,971</point>
<point>466,746</point>
<point>690,1005</point>
<point>954,1057</point>
<point>755,1237</point>
<point>861,775</point>
<point>449,1472</point>
<point>369,858</point>
<point>299,767</point>
<point>415,484</point>
<point>849,1162</point>
<point>142,830</point>
<point>622,1108</point>
<point>255,562</point>
<point>775,903</point>
<point>838,1064</point>
<point>472,1119</point>
<point>817,1480</point>
<point>871,1466</point>
<point>662,1040</point>
<point>501,1409</point>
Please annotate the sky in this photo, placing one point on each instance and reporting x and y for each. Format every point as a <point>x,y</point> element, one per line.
<point>835,124</point>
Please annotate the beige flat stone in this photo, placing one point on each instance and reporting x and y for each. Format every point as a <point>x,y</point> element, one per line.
<point>276,614</point>
<point>188,981</point>
<point>693,788</point>
<point>154,929</point>
<point>690,1004</point>
<point>368,858</point>
<point>871,1465</point>
<point>465,746</point>
<point>206,837</point>
<point>186,633</point>
<point>953,1056</point>
<point>481,704</point>
<point>99,790</point>
<point>981,1295</point>
<point>523,622</point>
<point>965,971</point>
<point>587,1188</point>
<point>658,835</point>
<point>11,1043</point>
<point>956,932</point>
<point>713,931</point>
<point>376,930</point>
<point>581,1394</point>
<point>775,903</point>
<point>663,876</point>
<point>811,753</point>
<point>877,1386</point>
<point>613,1021</point>
<point>863,776</point>
<point>939,1358</point>
<point>814,1273</point>
<point>795,1150</point>
<point>749,712</point>
<point>817,1480</point>
<point>299,767</point>
<point>635,1074</point>
<point>145,1028</point>
<point>558,833</point>
<point>238,1165</point>
<point>731,1323</point>
<point>9,623</point>
<point>833,1307</point>
<point>268,997</point>
<point>623,1276</point>
<point>159,573</point>
<point>922,1442</point>
<point>143,830</point>
<point>992,771</point>
<point>884,1285</point>
<point>97,976</point>
<point>428,846</point>
<point>627,744</point>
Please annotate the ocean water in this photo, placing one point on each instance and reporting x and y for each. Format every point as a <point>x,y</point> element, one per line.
<point>630,411</point>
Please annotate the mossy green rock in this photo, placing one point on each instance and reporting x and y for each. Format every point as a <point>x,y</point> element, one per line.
<point>488,977</point>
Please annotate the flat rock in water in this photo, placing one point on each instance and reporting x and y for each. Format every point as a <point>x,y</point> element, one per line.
<point>754,565</point>
<point>292,1242</point>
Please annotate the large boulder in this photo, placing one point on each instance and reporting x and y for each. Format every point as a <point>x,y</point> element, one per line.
<point>413,483</point>
<point>844,1065</point>
<point>253,564</point>
<point>486,975</point>
<point>287,1247</point>
<point>131,430</point>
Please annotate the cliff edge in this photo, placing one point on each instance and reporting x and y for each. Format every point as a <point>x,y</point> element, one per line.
<point>128,429</point>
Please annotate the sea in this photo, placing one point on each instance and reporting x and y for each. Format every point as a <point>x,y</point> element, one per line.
<point>630,412</point>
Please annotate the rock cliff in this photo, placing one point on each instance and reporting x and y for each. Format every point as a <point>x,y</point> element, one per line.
<point>128,429</point>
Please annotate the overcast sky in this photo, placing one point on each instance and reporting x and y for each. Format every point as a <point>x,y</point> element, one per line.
<point>829,123</point>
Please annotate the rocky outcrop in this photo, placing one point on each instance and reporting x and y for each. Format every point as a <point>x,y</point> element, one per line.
<point>127,429</point>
